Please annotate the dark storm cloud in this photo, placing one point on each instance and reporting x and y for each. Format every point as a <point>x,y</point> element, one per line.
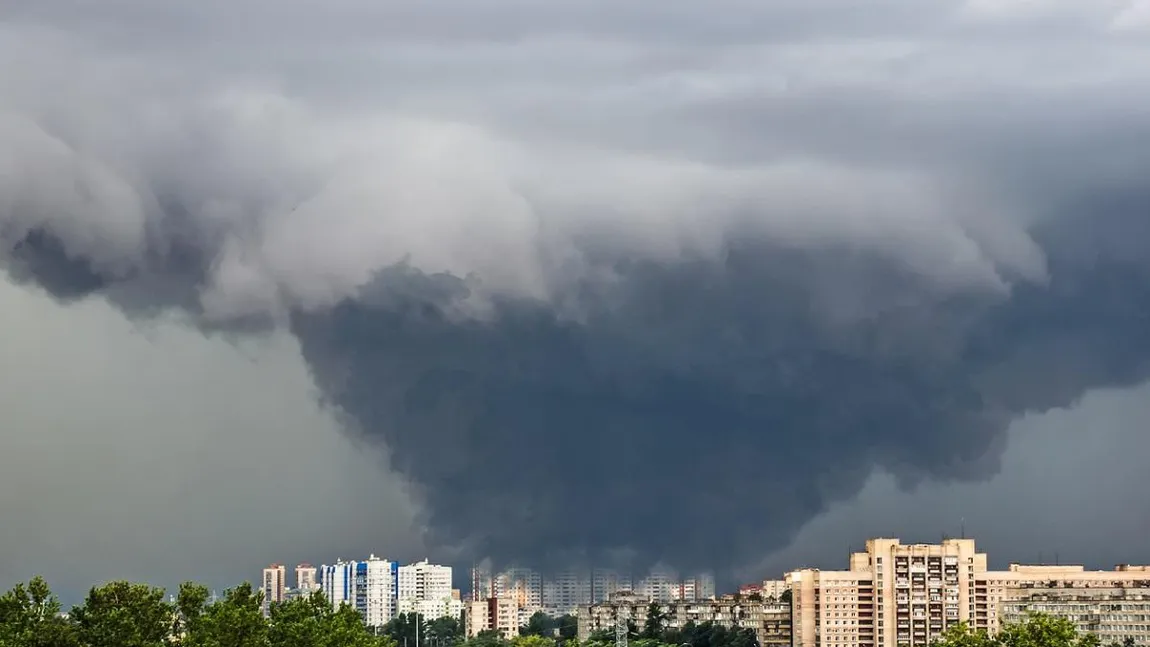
<point>673,277</point>
<point>705,411</point>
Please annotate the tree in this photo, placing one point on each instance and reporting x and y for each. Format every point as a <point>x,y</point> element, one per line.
<point>785,597</point>
<point>121,614</point>
<point>30,617</point>
<point>311,622</point>
<point>655,623</point>
<point>1042,630</point>
<point>444,631</point>
<point>539,624</point>
<point>533,641</point>
<point>403,629</point>
<point>235,621</point>
<point>568,626</point>
<point>487,638</point>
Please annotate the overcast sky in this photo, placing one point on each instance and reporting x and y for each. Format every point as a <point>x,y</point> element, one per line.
<point>247,165</point>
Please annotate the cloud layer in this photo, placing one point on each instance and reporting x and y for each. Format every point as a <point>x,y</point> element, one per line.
<point>611,277</point>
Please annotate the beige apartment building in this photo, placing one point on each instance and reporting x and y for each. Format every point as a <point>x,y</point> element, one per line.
<point>493,614</point>
<point>896,595</point>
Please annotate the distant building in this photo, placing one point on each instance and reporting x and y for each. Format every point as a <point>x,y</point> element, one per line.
<point>274,585</point>
<point>607,582</point>
<point>493,614</point>
<point>376,588</point>
<point>305,579</point>
<point>425,589</point>
<point>896,595</point>
<point>1113,614</point>
<point>771,622</point>
<point>338,583</point>
<point>566,591</point>
<point>773,589</point>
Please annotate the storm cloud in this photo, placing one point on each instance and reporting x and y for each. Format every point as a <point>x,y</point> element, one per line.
<point>669,277</point>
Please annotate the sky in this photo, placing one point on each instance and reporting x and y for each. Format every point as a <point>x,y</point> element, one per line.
<point>726,284</point>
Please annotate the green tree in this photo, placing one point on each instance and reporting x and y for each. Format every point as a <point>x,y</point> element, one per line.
<point>190,604</point>
<point>785,597</point>
<point>311,622</point>
<point>656,622</point>
<point>533,641</point>
<point>443,632</point>
<point>1042,630</point>
<point>122,614</point>
<point>30,617</point>
<point>487,638</point>
<point>539,624</point>
<point>961,635</point>
<point>235,621</point>
<point>404,627</point>
<point>568,626</point>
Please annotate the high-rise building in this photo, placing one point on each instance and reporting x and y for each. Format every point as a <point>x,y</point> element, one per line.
<point>376,588</point>
<point>274,585</point>
<point>338,583</point>
<point>305,578</point>
<point>662,584</point>
<point>608,582</point>
<point>425,589</point>
<point>522,585</point>
<point>896,595</point>
<point>565,591</point>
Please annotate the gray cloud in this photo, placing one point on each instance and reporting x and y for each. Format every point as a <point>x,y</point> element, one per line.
<point>152,452</point>
<point>555,256</point>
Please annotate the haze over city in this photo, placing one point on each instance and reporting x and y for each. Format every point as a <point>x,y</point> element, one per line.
<point>726,285</point>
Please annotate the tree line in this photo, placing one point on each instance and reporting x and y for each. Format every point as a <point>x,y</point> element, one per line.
<point>124,614</point>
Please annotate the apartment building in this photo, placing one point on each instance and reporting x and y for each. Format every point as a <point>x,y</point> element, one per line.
<point>425,588</point>
<point>306,579</point>
<point>771,622</point>
<point>1113,614</point>
<point>493,614</point>
<point>274,586</point>
<point>565,591</point>
<point>896,595</point>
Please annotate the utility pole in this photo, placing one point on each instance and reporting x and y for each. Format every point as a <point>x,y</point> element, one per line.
<point>621,625</point>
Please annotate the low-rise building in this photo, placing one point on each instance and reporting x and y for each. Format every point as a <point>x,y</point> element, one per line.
<point>771,622</point>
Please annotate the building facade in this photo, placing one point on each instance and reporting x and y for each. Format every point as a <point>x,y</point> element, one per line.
<point>425,588</point>
<point>306,579</point>
<point>771,622</point>
<point>493,614</point>
<point>896,595</point>
<point>274,586</point>
<point>376,589</point>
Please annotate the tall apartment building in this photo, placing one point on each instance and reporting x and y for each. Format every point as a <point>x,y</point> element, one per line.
<point>376,588</point>
<point>523,585</point>
<point>896,595</point>
<point>305,578</point>
<point>773,589</point>
<point>493,614</point>
<point>369,586</point>
<point>274,585</point>
<point>565,591</point>
<point>607,582</point>
<point>425,589</point>
<point>338,583</point>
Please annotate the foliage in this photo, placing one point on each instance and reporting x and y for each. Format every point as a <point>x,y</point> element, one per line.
<point>122,614</point>
<point>539,624</point>
<point>1037,630</point>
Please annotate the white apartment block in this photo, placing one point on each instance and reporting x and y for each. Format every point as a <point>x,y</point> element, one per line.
<point>338,583</point>
<point>896,595</point>
<point>425,589</point>
<point>376,581</point>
